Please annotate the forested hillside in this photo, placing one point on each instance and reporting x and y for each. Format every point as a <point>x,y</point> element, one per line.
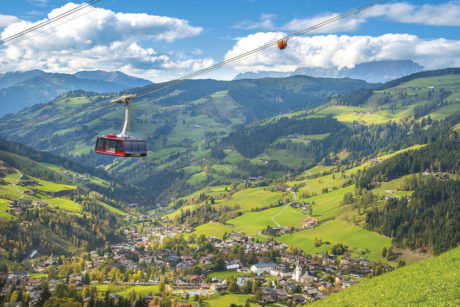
<point>196,138</point>
<point>49,209</point>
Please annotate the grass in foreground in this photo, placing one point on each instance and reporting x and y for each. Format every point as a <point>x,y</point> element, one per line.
<point>432,282</point>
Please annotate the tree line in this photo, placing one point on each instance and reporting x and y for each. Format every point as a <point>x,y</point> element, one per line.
<point>430,219</point>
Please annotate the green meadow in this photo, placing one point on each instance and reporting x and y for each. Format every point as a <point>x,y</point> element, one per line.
<point>214,229</point>
<point>431,282</point>
<point>252,198</point>
<point>4,203</point>
<point>64,204</point>
<point>251,223</point>
<point>327,205</point>
<point>336,231</point>
<point>113,209</point>
<point>228,299</point>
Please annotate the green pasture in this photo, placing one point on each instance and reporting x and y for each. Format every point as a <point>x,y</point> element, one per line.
<point>252,198</point>
<point>431,282</point>
<point>228,299</point>
<point>113,209</point>
<point>139,289</point>
<point>64,204</point>
<point>316,185</point>
<point>124,290</point>
<point>318,169</point>
<point>286,157</point>
<point>197,178</point>
<point>328,205</point>
<point>251,223</point>
<point>209,190</point>
<point>214,229</point>
<point>446,111</point>
<point>7,189</point>
<point>4,203</point>
<point>336,231</point>
<point>223,168</point>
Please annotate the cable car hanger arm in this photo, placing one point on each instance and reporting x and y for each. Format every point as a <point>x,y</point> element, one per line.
<point>126,99</point>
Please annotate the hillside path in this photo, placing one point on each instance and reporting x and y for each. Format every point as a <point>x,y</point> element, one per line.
<point>278,214</point>
<point>287,206</point>
<point>17,180</point>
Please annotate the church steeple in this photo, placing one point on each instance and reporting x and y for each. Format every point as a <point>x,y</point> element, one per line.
<point>297,271</point>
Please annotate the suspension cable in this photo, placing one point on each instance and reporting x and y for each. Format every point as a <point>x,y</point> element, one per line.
<point>47,22</point>
<point>161,86</point>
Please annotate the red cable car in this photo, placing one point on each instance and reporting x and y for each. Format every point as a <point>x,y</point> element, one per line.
<point>113,145</point>
<point>122,145</point>
<point>282,44</point>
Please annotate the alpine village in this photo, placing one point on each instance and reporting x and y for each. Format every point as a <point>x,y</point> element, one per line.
<point>317,186</point>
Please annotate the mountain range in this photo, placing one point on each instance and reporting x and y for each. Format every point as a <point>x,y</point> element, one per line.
<point>374,72</point>
<point>22,89</point>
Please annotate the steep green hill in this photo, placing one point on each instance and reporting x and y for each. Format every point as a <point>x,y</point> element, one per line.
<point>39,212</point>
<point>432,282</point>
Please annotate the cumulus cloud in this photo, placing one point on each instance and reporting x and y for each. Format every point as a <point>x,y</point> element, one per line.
<point>333,51</point>
<point>101,39</point>
<point>7,19</point>
<point>444,14</point>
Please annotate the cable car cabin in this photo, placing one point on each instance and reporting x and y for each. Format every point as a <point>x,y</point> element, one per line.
<point>282,44</point>
<point>113,145</point>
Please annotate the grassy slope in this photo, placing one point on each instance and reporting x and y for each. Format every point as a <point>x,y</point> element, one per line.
<point>7,189</point>
<point>113,209</point>
<point>252,223</point>
<point>376,112</point>
<point>64,204</point>
<point>432,282</point>
<point>228,299</point>
<point>252,198</point>
<point>336,231</point>
<point>326,206</point>
<point>4,203</point>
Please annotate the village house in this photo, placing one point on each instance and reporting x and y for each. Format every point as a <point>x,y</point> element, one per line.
<point>262,267</point>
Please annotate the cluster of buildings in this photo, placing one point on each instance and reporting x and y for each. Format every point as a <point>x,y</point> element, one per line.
<point>293,277</point>
<point>19,206</point>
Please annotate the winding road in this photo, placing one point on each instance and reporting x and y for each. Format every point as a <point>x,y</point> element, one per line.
<point>17,180</point>
<point>278,214</point>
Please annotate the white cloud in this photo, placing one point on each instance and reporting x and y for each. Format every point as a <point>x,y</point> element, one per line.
<point>101,39</point>
<point>342,25</point>
<point>333,51</point>
<point>444,14</point>
<point>7,19</point>
<point>265,22</point>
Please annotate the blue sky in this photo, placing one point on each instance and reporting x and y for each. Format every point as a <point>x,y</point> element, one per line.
<point>161,40</point>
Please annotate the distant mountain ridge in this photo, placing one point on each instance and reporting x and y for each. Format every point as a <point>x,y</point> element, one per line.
<point>373,72</point>
<point>22,89</point>
<point>11,78</point>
